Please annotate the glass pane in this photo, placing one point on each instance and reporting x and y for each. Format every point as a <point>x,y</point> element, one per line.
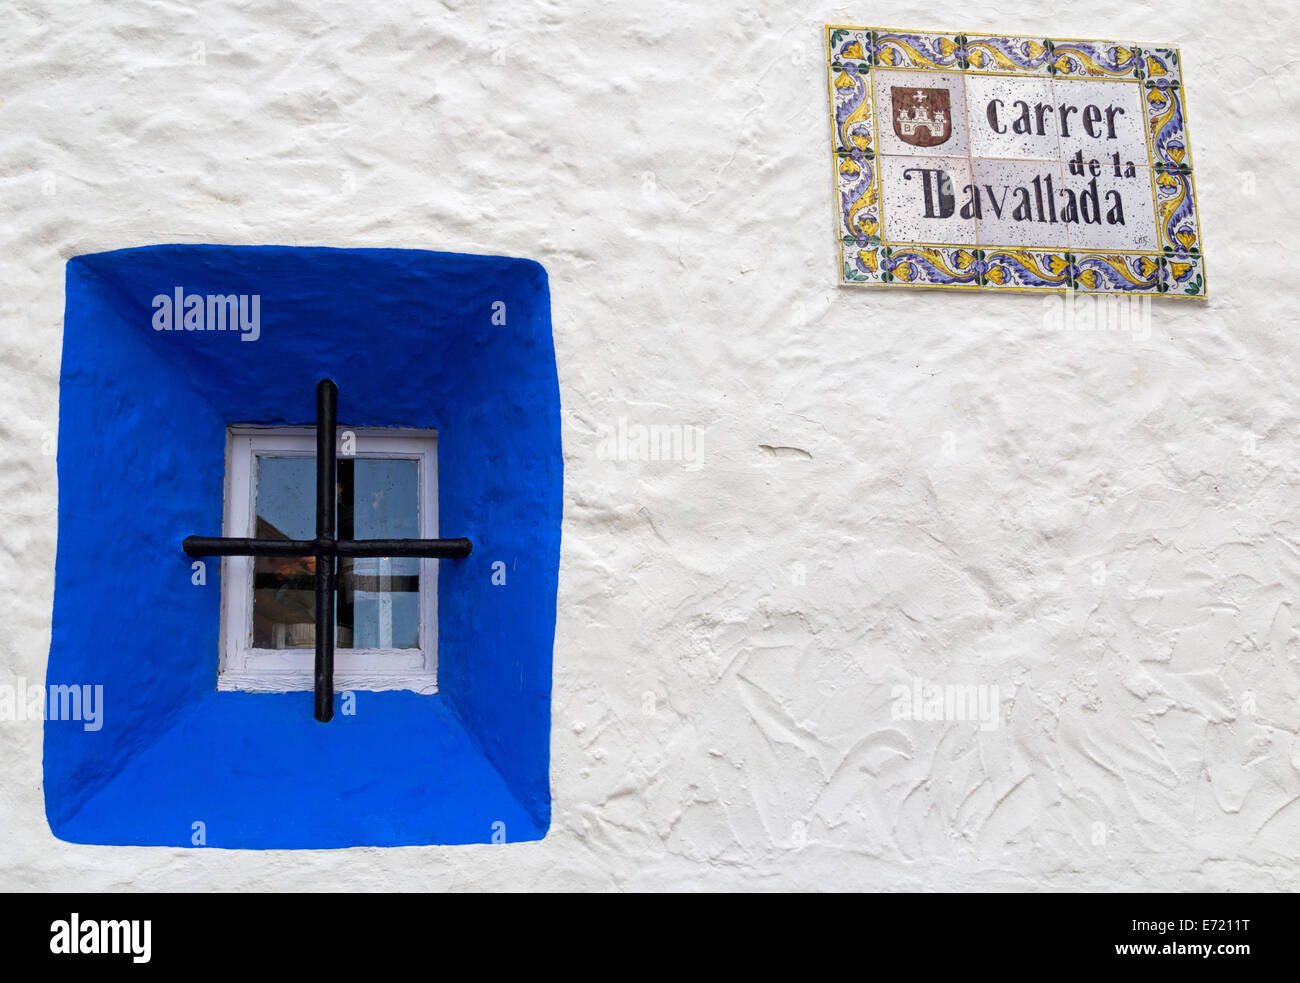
<point>284,598</point>
<point>378,600</point>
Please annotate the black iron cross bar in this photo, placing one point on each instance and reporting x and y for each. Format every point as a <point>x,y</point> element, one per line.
<point>326,548</point>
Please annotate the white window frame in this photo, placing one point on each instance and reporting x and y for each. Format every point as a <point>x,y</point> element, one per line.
<point>243,667</point>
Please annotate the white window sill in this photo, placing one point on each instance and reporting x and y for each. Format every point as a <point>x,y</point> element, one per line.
<point>291,682</point>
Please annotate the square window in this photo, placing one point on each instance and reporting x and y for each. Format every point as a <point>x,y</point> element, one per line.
<point>386,608</point>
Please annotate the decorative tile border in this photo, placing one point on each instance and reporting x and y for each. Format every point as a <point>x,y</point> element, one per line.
<point>1172,265</point>
<point>984,53</point>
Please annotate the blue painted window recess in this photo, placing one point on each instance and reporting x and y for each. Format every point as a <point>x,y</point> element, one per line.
<point>277,613</point>
<point>291,654</point>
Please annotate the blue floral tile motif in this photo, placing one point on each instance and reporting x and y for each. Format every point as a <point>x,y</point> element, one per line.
<point>1183,275</point>
<point>1025,269</point>
<point>901,50</point>
<point>856,180</point>
<point>984,53</point>
<point>849,45</point>
<point>1163,92</point>
<point>946,266</point>
<point>1116,273</point>
<point>1070,157</point>
<point>1176,211</point>
<point>1096,59</point>
<point>1021,56</point>
<point>851,87</point>
<point>860,263</point>
<point>860,216</point>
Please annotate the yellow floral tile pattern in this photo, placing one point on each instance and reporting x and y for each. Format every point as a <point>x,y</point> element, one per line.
<point>860,58</point>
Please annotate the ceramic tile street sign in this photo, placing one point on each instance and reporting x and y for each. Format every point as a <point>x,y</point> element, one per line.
<point>999,162</point>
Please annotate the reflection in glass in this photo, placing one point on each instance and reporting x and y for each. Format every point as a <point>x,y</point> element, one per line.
<point>378,603</point>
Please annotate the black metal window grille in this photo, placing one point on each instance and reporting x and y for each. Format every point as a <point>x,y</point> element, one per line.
<point>326,547</point>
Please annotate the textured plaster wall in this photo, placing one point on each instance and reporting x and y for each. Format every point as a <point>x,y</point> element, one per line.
<point>1102,527</point>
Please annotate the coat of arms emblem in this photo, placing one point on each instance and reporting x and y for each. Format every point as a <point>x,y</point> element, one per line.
<point>922,117</point>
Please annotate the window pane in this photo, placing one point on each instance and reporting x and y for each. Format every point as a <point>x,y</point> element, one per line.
<point>284,598</point>
<point>379,599</point>
<point>378,602</point>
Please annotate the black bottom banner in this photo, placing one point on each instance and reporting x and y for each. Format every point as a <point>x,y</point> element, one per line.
<point>140,932</point>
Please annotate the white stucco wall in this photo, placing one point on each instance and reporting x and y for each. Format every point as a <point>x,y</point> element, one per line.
<point>949,472</point>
